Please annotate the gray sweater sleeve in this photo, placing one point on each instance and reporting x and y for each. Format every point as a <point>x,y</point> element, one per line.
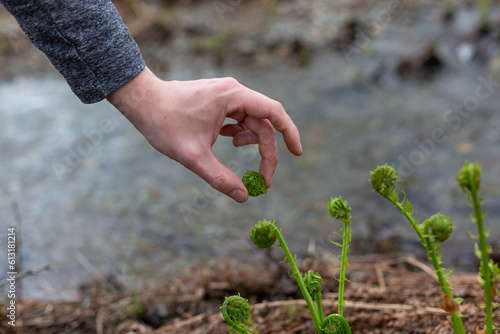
<point>86,40</point>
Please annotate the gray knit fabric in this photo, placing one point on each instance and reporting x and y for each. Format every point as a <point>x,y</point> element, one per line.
<point>86,40</point>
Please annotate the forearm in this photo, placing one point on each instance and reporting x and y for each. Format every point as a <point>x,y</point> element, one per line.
<point>86,41</point>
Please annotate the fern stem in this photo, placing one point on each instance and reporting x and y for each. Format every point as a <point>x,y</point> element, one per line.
<point>319,306</point>
<point>456,320</point>
<point>298,276</point>
<point>484,13</point>
<point>485,273</point>
<point>343,264</point>
<point>426,242</point>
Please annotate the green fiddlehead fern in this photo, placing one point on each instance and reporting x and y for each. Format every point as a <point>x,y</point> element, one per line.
<point>235,311</point>
<point>255,184</point>
<point>335,324</point>
<point>440,226</point>
<point>432,232</point>
<point>263,234</point>
<point>469,179</point>
<point>340,209</point>
<point>313,283</point>
<point>383,180</point>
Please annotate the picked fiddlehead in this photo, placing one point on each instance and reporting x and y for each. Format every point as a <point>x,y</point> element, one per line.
<point>255,183</point>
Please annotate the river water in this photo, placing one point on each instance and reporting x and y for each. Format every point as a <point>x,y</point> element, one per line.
<point>95,199</point>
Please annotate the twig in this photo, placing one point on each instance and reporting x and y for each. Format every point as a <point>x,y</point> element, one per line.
<point>421,265</point>
<point>311,247</point>
<point>190,321</point>
<point>380,277</point>
<point>29,272</point>
<point>96,275</point>
<point>355,305</point>
<point>99,327</point>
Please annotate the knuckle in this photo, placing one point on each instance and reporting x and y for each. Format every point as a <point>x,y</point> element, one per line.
<point>228,83</point>
<point>270,130</point>
<point>267,133</point>
<point>279,106</point>
<point>272,160</point>
<point>220,183</point>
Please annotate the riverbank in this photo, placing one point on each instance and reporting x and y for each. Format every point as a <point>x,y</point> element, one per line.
<point>378,300</point>
<point>366,83</point>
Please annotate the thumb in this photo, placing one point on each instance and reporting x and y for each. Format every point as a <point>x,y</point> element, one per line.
<point>219,176</point>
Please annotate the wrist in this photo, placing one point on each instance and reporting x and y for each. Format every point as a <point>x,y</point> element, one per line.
<point>131,96</point>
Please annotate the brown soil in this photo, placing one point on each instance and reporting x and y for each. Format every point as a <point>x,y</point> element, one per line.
<point>385,295</point>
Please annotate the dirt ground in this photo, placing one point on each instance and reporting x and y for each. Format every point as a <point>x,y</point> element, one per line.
<point>384,295</point>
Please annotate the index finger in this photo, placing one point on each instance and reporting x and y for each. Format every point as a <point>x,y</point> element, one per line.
<point>257,105</point>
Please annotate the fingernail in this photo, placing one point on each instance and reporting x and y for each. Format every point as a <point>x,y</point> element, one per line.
<point>238,195</point>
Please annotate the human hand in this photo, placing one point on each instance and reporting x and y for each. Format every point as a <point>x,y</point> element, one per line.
<point>182,119</point>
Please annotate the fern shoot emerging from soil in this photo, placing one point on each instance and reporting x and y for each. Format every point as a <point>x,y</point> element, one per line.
<point>431,232</point>
<point>469,179</point>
